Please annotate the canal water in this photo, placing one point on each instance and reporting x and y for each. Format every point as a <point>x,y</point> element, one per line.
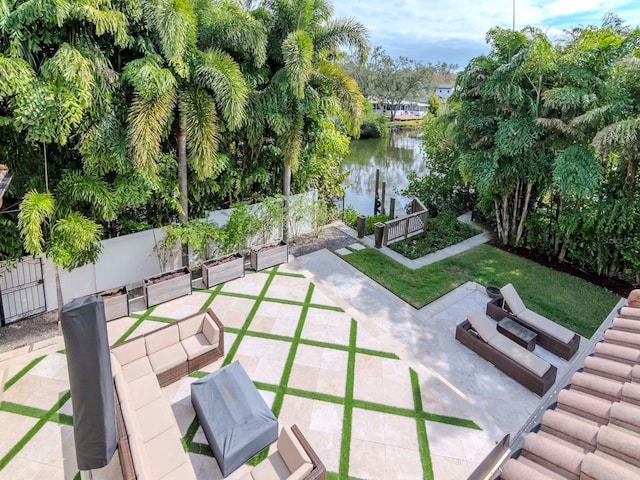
<point>396,155</point>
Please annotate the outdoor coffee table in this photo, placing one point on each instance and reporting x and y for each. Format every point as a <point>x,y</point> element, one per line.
<point>519,334</point>
<point>235,418</point>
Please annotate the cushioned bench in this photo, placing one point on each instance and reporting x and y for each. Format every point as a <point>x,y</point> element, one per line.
<point>480,335</point>
<point>551,336</point>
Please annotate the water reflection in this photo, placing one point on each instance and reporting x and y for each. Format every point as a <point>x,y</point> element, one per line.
<point>395,156</point>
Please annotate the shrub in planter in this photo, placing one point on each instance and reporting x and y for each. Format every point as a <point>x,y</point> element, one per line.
<point>222,269</point>
<point>116,303</point>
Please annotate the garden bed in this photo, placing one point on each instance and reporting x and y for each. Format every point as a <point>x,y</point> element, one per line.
<point>441,232</point>
<point>116,303</point>
<point>266,256</point>
<point>222,269</point>
<point>167,286</point>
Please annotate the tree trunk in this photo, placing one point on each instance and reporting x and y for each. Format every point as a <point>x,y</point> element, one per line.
<point>286,190</point>
<point>498,220</point>
<point>505,220</point>
<point>182,180</point>
<point>516,205</point>
<point>525,211</point>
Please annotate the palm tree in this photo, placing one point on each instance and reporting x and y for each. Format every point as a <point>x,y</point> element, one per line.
<point>190,86</point>
<point>305,80</point>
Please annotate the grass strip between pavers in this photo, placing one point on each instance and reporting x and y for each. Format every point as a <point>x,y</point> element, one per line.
<point>34,412</point>
<point>421,428</point>
<point>34,430</point>
<point>347,414</point>
<point>296,303</point>
<point>313,343</point>
<point>136,324</point>
<point>245,326</point>
<point>22,372</point>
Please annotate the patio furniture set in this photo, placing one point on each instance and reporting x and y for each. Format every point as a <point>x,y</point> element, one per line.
<point>509,344</point>
<point>236,420</point>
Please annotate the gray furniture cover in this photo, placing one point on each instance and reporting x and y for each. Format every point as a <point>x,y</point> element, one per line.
<point>84,328</point>
<point>236,420</point>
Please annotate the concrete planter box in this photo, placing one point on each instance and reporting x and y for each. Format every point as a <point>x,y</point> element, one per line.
<point>116,303</point>
<point>167,286</point>
<point>267,256</point>
<point>222,269</point>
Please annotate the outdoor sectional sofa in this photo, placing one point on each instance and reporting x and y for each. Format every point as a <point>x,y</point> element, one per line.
<point>149,442</point>
<point>551,336</point>
<point>479,334</point>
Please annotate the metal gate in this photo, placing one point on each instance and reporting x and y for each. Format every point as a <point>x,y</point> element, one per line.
<point>21,290</point>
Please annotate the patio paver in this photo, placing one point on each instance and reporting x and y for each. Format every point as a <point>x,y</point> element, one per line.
<point>362,407</point>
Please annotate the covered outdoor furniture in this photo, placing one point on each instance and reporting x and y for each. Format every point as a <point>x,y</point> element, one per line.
<point>293,458</point>
<point>235,418</point>
<point>551,336</point>
<point>479,333</point>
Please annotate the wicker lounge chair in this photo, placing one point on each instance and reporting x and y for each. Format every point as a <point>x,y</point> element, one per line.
<point>479,334</point>
<point>553,337</point>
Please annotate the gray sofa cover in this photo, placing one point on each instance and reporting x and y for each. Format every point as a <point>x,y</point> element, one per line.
<point>235,418</point>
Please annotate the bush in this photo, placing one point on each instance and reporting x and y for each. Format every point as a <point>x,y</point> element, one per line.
<point>374,125</point>
<point>351,219</point>
<point>442,232</point>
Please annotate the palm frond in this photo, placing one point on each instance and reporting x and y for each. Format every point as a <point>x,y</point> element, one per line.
<point>104,146</point>
<point>577,173</point>
<point>343,32</point>
<point>557,124</point>
<point>175,24</point>
<point>70,66</point>
<point>334,81</point>
<point>592,117</point>
<point>75,190</point>
<point>565,99</point>
<point>625,133</point>
<point>109,21</point>
<point>221,75</point>
<point>228,26</point>
<point>297,50</point>
<point>148,78</point>
<point>200,120</point>
<point>36,209</point>
<point>75,241</point>
<point>148,119</point>
<point>16,76</point>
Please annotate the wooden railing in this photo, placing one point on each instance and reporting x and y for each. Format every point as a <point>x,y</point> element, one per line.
<point>405,227</point>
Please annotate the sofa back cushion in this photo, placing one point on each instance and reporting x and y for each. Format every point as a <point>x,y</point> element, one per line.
<point>190,326</point>
<point>516,305</point>
<point>162,338</point>
<point>210,330</point>
<point>130,351</point>
<point>291,450</point>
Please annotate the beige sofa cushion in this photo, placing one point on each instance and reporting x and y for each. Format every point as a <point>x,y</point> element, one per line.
<point>167,358</point>
<point>130,350</point>
<point>139,457</point>
<point>136,369</point>
<point>516,305</point>
<point>271,468</point>
<point>189,326</point>
<point>166,452</point>
<point>197,345</point>
<point>520,355</point>
<point>183,472</point>
<point>162,338</point>
<point>211,330</point>
<point>154,418</point>
<point>482,324</point>
<point>547,326</point>
<point>143,391</point>
<point>291,450</point>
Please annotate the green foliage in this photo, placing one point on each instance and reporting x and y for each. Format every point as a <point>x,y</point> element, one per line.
<point>350,216</point>
<point>11,247</point>
<point>269,216</point>
<point>239,230</point>
<point>441,232</point>
<point>374,125</point>
<point>434,104</point>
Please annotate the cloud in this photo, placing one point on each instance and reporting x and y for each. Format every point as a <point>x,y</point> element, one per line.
<point>454,31</point>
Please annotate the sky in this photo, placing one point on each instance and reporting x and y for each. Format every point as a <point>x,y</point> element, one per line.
<point>453,31</point>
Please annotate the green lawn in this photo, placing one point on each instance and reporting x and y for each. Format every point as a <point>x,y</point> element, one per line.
<point>570,301</point>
